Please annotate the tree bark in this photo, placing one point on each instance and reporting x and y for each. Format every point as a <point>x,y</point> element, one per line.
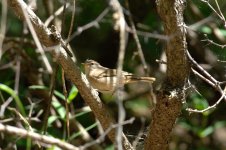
<point>172,94</point>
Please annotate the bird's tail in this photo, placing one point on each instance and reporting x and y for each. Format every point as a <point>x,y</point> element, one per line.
<point>142,79</point>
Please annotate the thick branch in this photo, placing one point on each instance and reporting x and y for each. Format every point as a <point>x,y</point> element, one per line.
<point>169,99</point>
<point>171,12</point>
<point>72,71</point>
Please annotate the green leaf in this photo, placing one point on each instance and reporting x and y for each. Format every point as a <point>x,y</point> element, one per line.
<point>59,108</point>
<point>110,147</point>
<point>199,102</point>
<point>38,87</point>
<point>186,125</point>
<point>11,92</point>
<point>51,119</point>
<point>207,131</point>
<point>73,93</point>
<point>58,94</point>
<point>138,106</point>
<point>41,87</point>
<point>220,124</point>
<point>29,141</point>
<point>206,29</point>
<point>54,147</point>
<point>223,31</point>
<point>140,103</point>
<point>82,113</point>
<point>79,133</point>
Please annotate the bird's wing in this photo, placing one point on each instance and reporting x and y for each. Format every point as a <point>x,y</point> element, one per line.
<point>112,73</point>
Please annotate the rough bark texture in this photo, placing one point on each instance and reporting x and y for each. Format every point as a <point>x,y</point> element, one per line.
<point>72,71</point>
<point>171,96</point>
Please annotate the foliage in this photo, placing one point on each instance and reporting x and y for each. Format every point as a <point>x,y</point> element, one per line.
<point>25,83</point>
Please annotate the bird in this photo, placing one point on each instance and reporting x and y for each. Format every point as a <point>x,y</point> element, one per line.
<point>104,79</point>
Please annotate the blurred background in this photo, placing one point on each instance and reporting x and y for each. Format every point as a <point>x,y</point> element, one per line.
<point>24,79</point>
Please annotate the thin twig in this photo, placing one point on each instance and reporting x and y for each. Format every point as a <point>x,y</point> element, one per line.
<point>37,42</point>
<point>17,77</point>
<point>221,14</point>
<point>66,104</point>
<point>149,34</point>
<point>57,12</point>
<point>139,135</point>
<point>140,52</point>
<point>135,36</point>
<point>16,88</point>
<point>25,121</point>
<point>91,24</point>
<point>62,73</point>
<point>47,110</point>
<point>200,23</point>
<point>203,78</point>
<point>102,137</point>
<point>208,108</point>
<point>72,23</point>
<point>63,18</point>
<point>35,136</point>
<point>3,25</point>
<point>214,43</point>
<point>210,80</point>
<point>195,64</point>
<point>120,25</point>
<point>207,2</point>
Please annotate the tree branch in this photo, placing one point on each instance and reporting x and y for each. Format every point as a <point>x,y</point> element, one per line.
<point>35,136</point>
<point>72,71</point>
<point>171,96</point>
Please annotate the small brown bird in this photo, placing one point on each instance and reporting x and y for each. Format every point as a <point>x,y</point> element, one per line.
<point>105,80</point>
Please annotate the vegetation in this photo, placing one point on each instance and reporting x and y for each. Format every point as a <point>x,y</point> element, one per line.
<point>47,104</point>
